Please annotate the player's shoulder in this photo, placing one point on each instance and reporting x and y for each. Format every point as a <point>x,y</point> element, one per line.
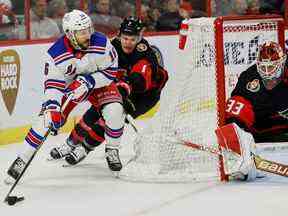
<point>61,50</point>
<point>98,39</point>
<point>143,46</point>
<point>250,73</point>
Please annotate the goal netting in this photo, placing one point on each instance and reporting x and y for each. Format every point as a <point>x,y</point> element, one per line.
<point>192,104</point>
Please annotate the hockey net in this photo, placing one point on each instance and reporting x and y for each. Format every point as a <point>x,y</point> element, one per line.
<point>192,104</point>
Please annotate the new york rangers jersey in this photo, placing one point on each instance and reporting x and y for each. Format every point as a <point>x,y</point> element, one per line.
<point>65,63</point>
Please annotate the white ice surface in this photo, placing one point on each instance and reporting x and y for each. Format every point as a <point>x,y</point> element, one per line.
<point>90,189</point>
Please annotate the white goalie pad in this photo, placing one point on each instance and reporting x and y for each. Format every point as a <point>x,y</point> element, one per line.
<point>237,147</point>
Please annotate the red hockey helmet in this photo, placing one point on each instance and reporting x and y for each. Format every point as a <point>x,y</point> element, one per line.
<point>270,60</point>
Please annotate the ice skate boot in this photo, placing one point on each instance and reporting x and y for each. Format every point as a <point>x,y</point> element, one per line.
<point>77,155</point>
<point>62,151</point>
<point>112,158</point>
<point>15,170</point>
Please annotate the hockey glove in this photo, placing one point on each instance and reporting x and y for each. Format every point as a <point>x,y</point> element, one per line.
<point>124,89</point>
<point>80,87</point>
<point>52,115</point>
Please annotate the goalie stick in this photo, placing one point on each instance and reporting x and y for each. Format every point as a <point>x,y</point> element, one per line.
<point>260,163</point>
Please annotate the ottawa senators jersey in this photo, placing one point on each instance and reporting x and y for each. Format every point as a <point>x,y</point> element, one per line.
<point>150,79</point>
<point>259,109</point>
<point>142,50</point>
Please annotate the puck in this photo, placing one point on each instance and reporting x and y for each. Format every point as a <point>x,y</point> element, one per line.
<point>12,200</point>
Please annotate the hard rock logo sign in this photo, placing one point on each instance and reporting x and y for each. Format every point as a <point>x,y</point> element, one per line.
<point>9,77</point>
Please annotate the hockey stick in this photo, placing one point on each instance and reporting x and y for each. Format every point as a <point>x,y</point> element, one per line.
<point>260,163</point>
<point>132,122</point>
<point>272,147</point>
<point>11,200</point>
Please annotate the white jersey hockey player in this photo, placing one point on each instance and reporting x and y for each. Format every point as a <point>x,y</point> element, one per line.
<point>80,62</point>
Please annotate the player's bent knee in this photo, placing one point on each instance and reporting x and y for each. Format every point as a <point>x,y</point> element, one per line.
<point>113,112</point>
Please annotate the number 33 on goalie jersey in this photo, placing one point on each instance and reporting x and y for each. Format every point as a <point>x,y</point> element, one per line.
<point>255,108</point>
<point>64,63</point>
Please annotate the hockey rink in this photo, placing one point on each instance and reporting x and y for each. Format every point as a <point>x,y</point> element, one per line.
<point>89,188</point>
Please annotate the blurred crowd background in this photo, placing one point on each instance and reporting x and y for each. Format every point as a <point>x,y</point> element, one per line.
<point>41,19</point>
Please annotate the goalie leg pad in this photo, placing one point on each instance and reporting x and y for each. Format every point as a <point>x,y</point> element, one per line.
<point>238,147</point>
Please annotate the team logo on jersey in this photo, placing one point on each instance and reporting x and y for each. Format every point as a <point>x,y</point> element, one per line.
<point>9,77</point>
<point>253,86</point>
<point>158,55</point>
<point>141,47</point>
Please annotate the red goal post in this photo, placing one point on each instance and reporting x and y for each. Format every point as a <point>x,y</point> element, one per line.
<point>192,103</point>
<point>266,23</point>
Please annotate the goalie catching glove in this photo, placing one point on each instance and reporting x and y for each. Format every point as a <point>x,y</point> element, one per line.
<point>238,148</point>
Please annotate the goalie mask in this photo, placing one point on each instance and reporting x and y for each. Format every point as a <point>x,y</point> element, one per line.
<point>270,63</point>
<point>77,26</point>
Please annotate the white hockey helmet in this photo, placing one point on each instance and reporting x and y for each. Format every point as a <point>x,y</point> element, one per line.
<point>76,21</point>
<point>7,3</point>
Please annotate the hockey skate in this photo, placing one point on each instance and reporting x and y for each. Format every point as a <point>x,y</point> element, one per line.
<point>77,155</point>
<point>15,170</point>
<point>113,160</point>
<point>62,151</point>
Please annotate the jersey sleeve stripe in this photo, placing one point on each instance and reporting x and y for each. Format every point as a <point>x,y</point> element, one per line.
<point>63,59</point>
<point>56,84</point>
<point>110,73</point>
<point>62,56</point>
<point>97,47</point>
<point>95,51</point>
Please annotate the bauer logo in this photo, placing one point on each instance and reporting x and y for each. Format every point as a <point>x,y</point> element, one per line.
<point>9,77</point>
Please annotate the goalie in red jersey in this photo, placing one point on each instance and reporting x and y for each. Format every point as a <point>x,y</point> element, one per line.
<point>258,106</point>
<point>141,78</point>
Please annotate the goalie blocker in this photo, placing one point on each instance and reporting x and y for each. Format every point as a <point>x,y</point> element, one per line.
<point>238,148</point>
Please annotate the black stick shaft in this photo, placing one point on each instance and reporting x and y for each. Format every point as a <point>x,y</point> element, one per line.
<point>27,164</point>
<point>69,98</point>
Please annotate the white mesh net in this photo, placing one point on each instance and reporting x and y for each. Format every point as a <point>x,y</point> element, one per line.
<point>188,104</point>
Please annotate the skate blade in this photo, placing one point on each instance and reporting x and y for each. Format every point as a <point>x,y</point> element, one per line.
<point>68,165</point>
<point>115,173</point>
<point>50,159</point>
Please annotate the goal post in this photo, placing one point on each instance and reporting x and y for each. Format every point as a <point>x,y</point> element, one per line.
<point>214,52</point>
